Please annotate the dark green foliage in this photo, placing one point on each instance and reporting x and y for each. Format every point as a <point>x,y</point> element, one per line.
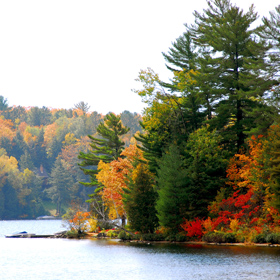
<point>181,55</point>
<point>238,57</point>
<point>106,148</point>
<point>62,185</point>
<point>124,236</point>
<point>39,116</point>
<point>139,201</point>
<point>11,209</point>
<point>219,237</point>
<point>206,163</point>
<point>260,238</point>
<point>3,103</point>
<point>26,161</point>
<point>172,203</point>
<point>16,114</point>
<point>273,238</point>
<point>274,170</point>
<point>38,150</point>
<point>19,147</point>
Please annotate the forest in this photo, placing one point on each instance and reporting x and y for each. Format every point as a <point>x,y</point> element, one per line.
<point>39,157</point>
<point>201,163</point>
<point>206,164</point>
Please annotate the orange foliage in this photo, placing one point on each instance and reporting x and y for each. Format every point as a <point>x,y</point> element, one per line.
<point>79,222</point>
<point>248,179</point>
<point>6,129</point>
<point>50,133</point>
<point>113,177</point>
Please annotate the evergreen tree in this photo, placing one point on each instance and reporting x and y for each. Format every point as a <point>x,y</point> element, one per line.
<point>4,106</point>
<point>139,200</point>
<point>106,148</point>
<point>206,162</point>
<point>26,161</point>
<point>182,54</point>
<point>61,185</point>
<point>238,59</point>
<point>172,178</point>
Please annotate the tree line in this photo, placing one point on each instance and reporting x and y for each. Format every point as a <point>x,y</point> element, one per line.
<point>207,158</point>
<point>39,172</point>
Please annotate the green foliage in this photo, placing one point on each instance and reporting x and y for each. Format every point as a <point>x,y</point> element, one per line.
<point>260,238</point>
<point>226,31</point>
<point>36,137</point>
<point>219,237</point>
<point>107,147</point>
<point>206,164</point>
<point>62,185</point>
<point>124,236</point>
<point>173,180</point>
<point>273,238</point>
<point>139,200</point>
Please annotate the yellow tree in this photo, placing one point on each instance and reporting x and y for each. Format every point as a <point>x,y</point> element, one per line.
<point>113,177</point>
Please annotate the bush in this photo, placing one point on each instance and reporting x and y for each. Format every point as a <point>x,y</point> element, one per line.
<point>171,238</point>
<point>219,237</point>
<point>273,238</point>
<point>124,236</point>
<point>260,238</point>
<point>230,237</point>
<point>111,233</point>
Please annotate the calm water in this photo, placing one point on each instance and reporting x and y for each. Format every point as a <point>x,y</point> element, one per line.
<point>57,259</point>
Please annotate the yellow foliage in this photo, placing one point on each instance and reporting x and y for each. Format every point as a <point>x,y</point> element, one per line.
<point>234,225</point>
<point>69,139</point>
<point>113,178</point>
<point>92,224</point>
<point>185,79</point>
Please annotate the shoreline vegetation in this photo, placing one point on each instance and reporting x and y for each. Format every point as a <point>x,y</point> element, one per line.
<point>91,235</point>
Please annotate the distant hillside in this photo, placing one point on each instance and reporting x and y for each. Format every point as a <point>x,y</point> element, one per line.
<point>38,155</point>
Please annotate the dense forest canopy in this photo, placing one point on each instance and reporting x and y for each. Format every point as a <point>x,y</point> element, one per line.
<point>39,149</point>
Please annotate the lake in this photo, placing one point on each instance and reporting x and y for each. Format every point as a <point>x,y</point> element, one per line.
<point>57,259</point>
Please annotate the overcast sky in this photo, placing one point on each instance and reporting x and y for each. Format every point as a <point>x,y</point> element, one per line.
<point>56,53</point>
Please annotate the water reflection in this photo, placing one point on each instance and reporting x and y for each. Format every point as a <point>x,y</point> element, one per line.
<point>109,259</point>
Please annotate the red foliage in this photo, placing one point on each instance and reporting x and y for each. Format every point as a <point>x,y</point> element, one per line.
<point>193,228</point>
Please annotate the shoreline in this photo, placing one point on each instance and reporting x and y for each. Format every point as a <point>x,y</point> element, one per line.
<point>94,236</point>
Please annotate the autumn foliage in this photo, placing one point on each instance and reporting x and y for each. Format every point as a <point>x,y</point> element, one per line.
<point>113,178</point>
<point>248,207</point>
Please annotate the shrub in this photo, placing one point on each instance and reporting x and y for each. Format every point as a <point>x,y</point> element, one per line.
<point>260,238</point>
<point>219,237</point>
<point>111,233</point>
<point>171,238</point>
<point>214,237</point>
<point>230,237</point>
<point>124,236</point>
<point>181,238</point>
<point>273,238</point>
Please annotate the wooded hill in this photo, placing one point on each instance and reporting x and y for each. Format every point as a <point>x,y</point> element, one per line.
<point>208,163</point>
<point>39,150</point>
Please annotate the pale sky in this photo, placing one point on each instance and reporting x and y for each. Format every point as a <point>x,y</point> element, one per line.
<point>56,53</point>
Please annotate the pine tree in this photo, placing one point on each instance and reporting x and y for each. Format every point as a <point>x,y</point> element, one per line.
<point>206,164</point>
<point>139,200</point>
<point>61,183</point>
<point>238,67</point>
<point>172,178</point>
<point>106,148</point>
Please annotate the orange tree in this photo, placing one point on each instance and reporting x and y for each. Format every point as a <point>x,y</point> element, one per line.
<point>113,178</point>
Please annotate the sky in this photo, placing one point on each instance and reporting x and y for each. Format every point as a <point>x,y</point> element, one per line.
<point>57,53</point>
